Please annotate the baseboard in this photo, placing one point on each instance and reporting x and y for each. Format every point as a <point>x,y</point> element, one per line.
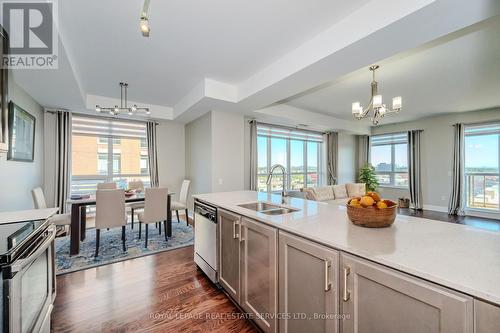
<point>441,209</point>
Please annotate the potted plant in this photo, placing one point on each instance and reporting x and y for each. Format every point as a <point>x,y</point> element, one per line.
<point>367,176</point>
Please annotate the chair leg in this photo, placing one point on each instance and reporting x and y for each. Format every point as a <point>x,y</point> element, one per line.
<point>123,238</point>
<point>140,231</point>
<point>132,223</point>
<point>177,213</point>
<point>159,229</point>
<point>165,230</point>
<point>97,237</point>
<point>187,218</point>
<point>146,242</point>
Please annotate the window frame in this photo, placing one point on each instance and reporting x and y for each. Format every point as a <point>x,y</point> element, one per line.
<point>112,141</point>
<point>392,174</point>
<point>289,173</point>
<point>467,184</point>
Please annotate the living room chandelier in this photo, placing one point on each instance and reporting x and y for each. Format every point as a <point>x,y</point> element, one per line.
<point>379,109</point>
<point>123,105</point>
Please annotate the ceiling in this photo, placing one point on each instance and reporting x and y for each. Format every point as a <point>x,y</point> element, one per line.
<point>457,73</point>
<point>247,56</point>
<point>190,40</point>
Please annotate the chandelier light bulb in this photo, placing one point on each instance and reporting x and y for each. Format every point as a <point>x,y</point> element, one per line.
<point>356,108</point>
<point>397,103</point>
<point>377,101</point>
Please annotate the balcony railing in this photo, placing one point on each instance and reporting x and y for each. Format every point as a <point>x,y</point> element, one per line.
<point>88,184</point>
<point>482,190</point>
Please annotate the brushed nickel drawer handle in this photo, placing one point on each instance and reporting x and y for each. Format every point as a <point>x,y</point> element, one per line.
<point>235,235</point>
<point>347,294</point>
<point>241,235</point>
<point>328,284</point>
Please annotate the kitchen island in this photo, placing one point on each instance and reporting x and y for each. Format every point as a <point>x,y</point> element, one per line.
<point>452,268</point>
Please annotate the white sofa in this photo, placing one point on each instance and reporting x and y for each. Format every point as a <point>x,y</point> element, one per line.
<point>335,194</point>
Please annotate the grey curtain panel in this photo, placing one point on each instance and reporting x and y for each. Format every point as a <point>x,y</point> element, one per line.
<point>456,204</point>
<point>152,153</point>
<point>332,153</point>
<point>63,159</point>
<point>253,155</point>
<point>363,150</point>
<point>414,171</point>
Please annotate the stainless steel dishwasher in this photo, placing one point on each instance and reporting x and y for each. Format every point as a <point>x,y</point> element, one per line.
<point>205,239</point>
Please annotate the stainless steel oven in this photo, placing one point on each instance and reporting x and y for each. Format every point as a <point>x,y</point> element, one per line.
<point>29,280</point>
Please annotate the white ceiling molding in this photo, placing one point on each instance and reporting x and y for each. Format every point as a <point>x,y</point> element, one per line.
<point>292,115</point>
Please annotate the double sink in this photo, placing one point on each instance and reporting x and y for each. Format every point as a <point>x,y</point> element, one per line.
<point>267,208</point>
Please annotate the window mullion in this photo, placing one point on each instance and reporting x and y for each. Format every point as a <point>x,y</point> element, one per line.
<point>305,163</point>
<point>269,162</point>
<point>393,160</point>
<point>110,159</point>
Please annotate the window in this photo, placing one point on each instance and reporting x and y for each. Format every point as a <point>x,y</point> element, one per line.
<point>482,166</point>
<point>389,157</point>
<point>107,150</point>
<point>298,151</point>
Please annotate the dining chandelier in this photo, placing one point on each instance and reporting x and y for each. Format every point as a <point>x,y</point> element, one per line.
<point>123,105</point>
<point>375,105</point>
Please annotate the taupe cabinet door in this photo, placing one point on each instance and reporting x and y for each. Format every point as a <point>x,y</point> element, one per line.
<point>486,317</point>
<point>229,265</point>
<point>258,273</point>
<point>381,300</point>
<point>308,286</point>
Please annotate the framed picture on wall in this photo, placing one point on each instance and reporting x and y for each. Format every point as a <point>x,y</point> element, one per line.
<point>21,134</point>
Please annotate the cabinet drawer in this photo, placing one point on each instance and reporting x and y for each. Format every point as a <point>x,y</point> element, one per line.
<point>379,299</point>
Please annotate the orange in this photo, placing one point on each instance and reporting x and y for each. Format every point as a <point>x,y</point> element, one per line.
<point>374,195</point>
<point>381,204</point>
<point>367,201</point>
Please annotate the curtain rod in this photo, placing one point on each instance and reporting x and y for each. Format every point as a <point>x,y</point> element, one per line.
<point>287,127</point>
<point>397,132</point>
<point>54,111</point>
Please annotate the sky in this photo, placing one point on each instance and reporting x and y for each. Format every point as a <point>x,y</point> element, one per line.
<point>278,152</point>
<point>481,151</point>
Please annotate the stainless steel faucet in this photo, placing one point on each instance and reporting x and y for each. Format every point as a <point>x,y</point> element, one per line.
<point>270,176</point>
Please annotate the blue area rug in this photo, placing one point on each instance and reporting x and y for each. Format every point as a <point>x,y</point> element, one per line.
<point>111,250</point>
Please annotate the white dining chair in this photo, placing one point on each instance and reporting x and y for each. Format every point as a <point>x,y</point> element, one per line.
<point>110,213</point>
<point>40,203</point>
<point>182,203</point>
<point>155,210</point>
<point>106,186</point>
<point>135,185</point>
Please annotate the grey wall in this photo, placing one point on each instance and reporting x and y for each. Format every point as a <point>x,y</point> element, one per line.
<point>215,152</point>
<point>19,178</point>
<point>437,147</point>
<point>198,136</point>
<point>347,158</point>
<point>171,155</point>
<point>228,149</point>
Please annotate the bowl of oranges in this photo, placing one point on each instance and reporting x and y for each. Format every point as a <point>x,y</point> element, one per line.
<point>371,211</point>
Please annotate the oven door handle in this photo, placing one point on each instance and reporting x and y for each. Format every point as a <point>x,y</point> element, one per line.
<point>19,265</point>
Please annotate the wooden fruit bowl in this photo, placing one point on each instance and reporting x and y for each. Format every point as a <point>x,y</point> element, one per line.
<point>373,217</point>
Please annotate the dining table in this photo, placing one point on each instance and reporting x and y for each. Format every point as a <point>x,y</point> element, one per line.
<point>79,216</point>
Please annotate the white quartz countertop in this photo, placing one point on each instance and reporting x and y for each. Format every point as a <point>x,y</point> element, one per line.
<point>27,215</point>
<point>456,256</point>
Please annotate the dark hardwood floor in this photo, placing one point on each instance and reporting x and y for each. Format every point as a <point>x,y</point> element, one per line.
<point>158,293</point>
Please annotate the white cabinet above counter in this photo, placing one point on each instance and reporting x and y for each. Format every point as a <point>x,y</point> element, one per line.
<point>458,257</point>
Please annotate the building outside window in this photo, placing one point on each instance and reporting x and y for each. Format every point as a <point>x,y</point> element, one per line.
<point>300,152</point>
<point>389,157</point>
<point>107,150</point>
<point>482,167</point>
